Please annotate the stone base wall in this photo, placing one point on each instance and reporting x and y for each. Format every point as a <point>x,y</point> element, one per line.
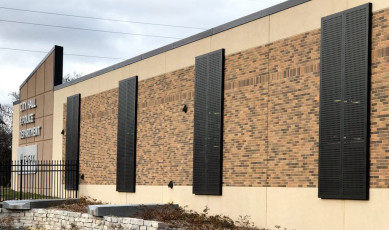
<point>59,219</point>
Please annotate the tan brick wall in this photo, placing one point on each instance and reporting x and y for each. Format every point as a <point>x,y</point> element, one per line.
<point>98,137</point>
<point>165,132</point>
<point>294,111</point>
<point>379,119</point>
<point>164,143</point>
<point>245,118</point>
<point>270,119</point>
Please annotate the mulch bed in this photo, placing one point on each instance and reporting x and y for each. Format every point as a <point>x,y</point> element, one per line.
<point>174,217</point>
<point>191,220</point>
<point>80,206</point>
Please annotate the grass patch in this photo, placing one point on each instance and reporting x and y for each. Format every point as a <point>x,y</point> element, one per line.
<point>10,194</point>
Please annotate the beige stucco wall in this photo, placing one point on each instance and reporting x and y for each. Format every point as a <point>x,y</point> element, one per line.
<point>377,4</point>
<point>230,203</point>
<point>299,208</point>
<point>243,37</point>
<point>39,87</point>
<point>15,133</point>
<point>307,16</point>
<point>292,208</point>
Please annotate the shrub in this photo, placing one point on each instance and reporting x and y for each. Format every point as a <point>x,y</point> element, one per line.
<point>189,219</point>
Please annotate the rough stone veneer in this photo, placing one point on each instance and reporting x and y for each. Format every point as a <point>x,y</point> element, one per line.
<point>271,119</point>
<point>59,219</point>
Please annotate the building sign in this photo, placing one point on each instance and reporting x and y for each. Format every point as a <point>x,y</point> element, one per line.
<point>29,104</point>
<point>31,132</point>
<point>27,156</point>
<point>28,119</point>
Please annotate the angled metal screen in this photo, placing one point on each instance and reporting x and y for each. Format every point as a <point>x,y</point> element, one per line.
<point>344,104</point>
<point>72,140</point>
<point>126,139</point>
<point>356,102</point>
<point>200,177</point>
<point>208,124</point>
<point>330,108</point>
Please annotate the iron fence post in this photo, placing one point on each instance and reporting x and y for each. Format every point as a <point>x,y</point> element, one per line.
<point>47,179</point>
<point>21,180</point>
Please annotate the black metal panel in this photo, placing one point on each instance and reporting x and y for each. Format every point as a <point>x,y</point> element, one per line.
<point>344,99</point>
<point>58,65</point>
<point>356,93</point>
<point>208,124</point>
<point>330,108</point>
<point>126,139</point>
<point>72,139</point>
<point>215,122</point>
<point>200,128</point>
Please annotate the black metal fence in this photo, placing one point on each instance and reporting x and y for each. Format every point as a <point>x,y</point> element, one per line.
<point>45,179</point>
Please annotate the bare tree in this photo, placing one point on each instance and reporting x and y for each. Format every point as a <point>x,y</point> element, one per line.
<point>15,96</point>
<point>6,114</point>
<point>70,77</point>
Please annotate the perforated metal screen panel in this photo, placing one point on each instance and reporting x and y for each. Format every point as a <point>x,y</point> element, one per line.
<point>344,103</point>
<point>356,94</point>
<point>208,124</point>
<point>126,139</point>
<point>72,139</point>
<point>330,108</point>
<point>200,178</point>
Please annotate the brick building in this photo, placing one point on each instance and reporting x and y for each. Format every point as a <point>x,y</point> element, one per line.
<point>281,115</point>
